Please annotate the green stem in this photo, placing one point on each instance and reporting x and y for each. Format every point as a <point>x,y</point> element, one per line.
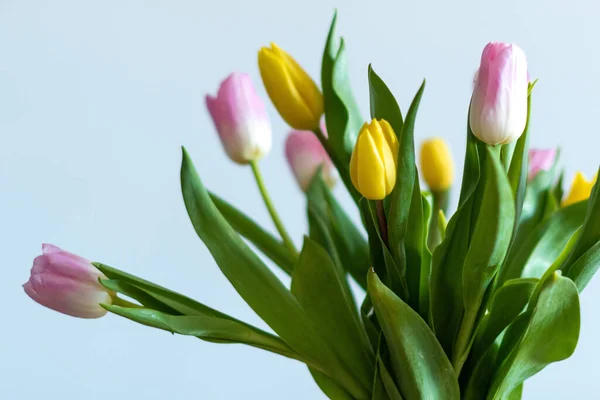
<point>287,241</point>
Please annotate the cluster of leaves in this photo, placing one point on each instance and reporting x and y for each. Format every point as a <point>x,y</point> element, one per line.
<point>494,304</point>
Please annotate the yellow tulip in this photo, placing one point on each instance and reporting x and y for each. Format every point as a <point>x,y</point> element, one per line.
<point>437,166</point>
<point>295,95</point>
<point>581,189</point>
<point>373,161</point>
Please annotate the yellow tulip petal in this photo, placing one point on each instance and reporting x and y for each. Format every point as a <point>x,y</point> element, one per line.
<point>370,169</point>
<point>437,167</point>
<point>281,89</point>
<point>581,189</point>
<point>390,137</point>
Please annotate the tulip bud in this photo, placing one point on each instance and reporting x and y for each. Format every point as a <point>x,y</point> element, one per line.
<point>437,167</point>
<point>67,283</point>
<point>295,95</point>
<point>540,160</point>
<point>373,161</point>
<point>499,104</point>
<point>581,189</point>
<point>241,119</point>
<point>305,155</point>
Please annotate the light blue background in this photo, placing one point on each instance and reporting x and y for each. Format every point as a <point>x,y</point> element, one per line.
<point>96,98</point>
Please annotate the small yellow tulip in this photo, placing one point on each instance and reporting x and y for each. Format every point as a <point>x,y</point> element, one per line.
<point>295,95</point>
<point>437,166</point>
<point>374,159</point>
<point>581,189</point>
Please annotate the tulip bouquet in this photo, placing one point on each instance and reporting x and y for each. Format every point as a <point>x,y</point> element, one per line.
<point>464,309</point>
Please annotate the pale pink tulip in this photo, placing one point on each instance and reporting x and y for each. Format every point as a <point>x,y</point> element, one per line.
<point>241,119</point>
<point>540,160</point>
<point>305,155</point>
<point>499,103</point>
<point>67,283</point>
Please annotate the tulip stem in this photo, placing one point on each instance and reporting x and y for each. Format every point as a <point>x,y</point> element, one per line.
<point>287,241</point>
<point>382,220</point>
<point>440,203</point>
<point>117,301</point>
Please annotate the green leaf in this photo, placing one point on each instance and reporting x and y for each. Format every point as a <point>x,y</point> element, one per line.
<point>319,288</point>
<point>446,296</point>
<point>144,298</point>
<point>402,195</point>
<point>508,302</point>
<point>342,115</point>
<point>584,268</point>
<point>424,293</point>
<point>551,335</point>
<point>348,243</point>
<point>331,389</point>
<point>492,234</point>
<point>208,328</point>
<point>253,280</point>
<point>264,241</point>
<point>388,382</point>
<point>409,338</point>
<point>173,300</point>
<point>383,103</point>
<point>517,174</point>
<point>545,242</point>
<point>417,254</point>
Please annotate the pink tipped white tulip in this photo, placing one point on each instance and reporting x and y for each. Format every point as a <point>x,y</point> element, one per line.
<point>540,160</point>
<point>67,283</point>
<point>241,119</point>
<point>305,155</point>
<point>499,103</point>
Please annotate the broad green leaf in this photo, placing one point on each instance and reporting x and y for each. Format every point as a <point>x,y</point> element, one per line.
<point>409,338</point>
<point>479,376</point>
<point>349,245</point>
<point>264,241</point>
<point>328,386</point>
<point>207,328</point>
<point>253,280</point>
<point>516,393</point>
<point>584,268</point>
<point>545,242</point>
<point>590,231</point>
<point>446,297</point>
<point>492,234</point>
<point>383,103</point>
<point>551,335</point>
<point>417,254</point>
<point>388,382</point>
<point>517,173</point>
<point>375,242</point>
<point>402,195</point>
<point>342,115</point>
<point>319,288</point>
<point>507,303</point>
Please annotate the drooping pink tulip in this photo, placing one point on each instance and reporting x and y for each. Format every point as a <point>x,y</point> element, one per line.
<point>540,160</point>
<point>499,103</point>
<point>241,119</point>
<point>67,283</point>
<point>305,154</point>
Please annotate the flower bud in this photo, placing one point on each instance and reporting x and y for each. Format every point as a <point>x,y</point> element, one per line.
<point>305,155</point>
<point>437,167</point>
<point>499,104</point>
<point>241,119</point>
<point>581,189</point>
<point>540,160</point>
<point>67,283</point>
<point>295,95</point>
<point>373,161</point>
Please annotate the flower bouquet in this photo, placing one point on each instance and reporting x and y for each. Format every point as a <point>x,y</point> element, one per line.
<point>461,306</point>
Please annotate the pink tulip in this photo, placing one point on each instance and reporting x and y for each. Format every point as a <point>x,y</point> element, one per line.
<point>305,155</point>
<point>241,119</point>
<point>540,160</point>
<point>67,283</point>
<point>499,103</point>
